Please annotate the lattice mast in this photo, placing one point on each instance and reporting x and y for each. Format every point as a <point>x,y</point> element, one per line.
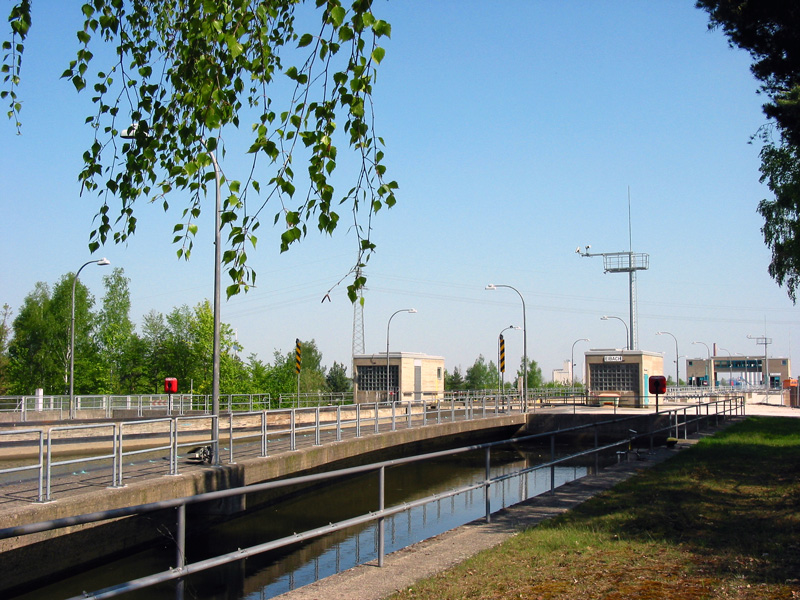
<point>625,262</point>
<point>358,321</point>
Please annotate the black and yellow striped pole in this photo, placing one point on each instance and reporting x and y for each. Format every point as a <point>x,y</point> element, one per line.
<point>501,363</point>
<point>502,354</point>
<point>298,361</point>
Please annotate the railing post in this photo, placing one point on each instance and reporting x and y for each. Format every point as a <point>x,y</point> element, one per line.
<point>116,470</point>
<point>316,427</point>
<point>377,422</point>
<point>358,420</point>
<point>394,424</point>
<point>263,433</point>
<point>292,430</point>
<point>487,484</point>
<point>339,423</point>
<point>409,411</point>
<point>173,451</point>
<point>552,466</point>
<point>230,438</point>
<point>381,524</point>
<point>180,542</point>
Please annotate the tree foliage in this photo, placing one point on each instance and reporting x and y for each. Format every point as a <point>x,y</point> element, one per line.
<point>481,376</point>
<point>535,379</point>
<point>112,358</point>
<point>454,381</point>
<point>770,32</point>
<point>189,72</point>
<point>39,352</point>
<point>337,378</point>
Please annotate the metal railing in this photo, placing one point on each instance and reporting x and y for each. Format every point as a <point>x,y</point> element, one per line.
<point>678,419</point>
<point>110,443</point>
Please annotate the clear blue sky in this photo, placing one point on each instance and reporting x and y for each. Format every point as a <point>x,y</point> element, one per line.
<point>515,130</point>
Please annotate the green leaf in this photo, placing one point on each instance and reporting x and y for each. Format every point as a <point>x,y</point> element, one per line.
<point>378,54</point>
<point>337,16</point>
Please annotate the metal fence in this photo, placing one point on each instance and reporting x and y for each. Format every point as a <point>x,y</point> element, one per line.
<point>242,434</point>
<point>56,407</point>
<point>679,421</point>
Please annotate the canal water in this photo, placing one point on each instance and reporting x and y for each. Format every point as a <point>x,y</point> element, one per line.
<point>273,573</point>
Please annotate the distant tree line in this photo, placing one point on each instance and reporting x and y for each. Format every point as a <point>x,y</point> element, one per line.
<point>484,376</point>
<point>111,357</point>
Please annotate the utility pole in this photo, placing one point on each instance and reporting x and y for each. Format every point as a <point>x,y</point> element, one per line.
<point>760,339</point>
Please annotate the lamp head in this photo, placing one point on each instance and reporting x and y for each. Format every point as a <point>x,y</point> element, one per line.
<point>412,310</point>
<point>604,318</point>
<point>491,286</point>
<point>130,132</point>
<point>103,262</point>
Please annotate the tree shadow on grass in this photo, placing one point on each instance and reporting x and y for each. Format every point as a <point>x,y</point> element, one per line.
<point>732,500</point>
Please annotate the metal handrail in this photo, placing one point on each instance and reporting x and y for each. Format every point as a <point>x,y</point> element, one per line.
<point>39,466</point>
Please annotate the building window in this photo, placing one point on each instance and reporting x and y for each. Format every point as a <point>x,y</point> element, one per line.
<point>439,373</point>
<point>372,378</point>
<point>610,377</point>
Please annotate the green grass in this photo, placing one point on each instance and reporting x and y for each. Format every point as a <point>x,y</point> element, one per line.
<point>720,520</point>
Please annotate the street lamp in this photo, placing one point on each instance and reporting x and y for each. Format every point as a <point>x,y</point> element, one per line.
<point>627,337</point>
<point>408,310</point>
<point>492,286</point>
<point>708,363</point>
<point>100,263</point>
<point>499,358</point>
<point>572,362</point>
<point>130,134</point>
<point>677,358</point>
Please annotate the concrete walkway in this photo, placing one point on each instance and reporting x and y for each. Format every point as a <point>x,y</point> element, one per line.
<point>429,557</point>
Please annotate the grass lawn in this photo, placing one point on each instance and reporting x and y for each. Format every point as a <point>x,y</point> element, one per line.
<point>719,520</point>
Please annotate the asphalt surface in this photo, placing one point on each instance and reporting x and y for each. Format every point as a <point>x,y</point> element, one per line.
<point>405,567</point>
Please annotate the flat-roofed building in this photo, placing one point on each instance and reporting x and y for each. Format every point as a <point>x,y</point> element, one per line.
<point>739,371</point>
<point>621,376</point>
<point>411,376</point>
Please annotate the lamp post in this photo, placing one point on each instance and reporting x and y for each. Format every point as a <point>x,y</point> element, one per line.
<point>677,358</point>
<point>627,337</point>
<point>216,346</point>
<point>130,134</point>
<point>709,372</point>
<point>572,362</point>
<point>408,310</point>
<point>492,286</point>
<point>100,263</point>
<point>500,370</point>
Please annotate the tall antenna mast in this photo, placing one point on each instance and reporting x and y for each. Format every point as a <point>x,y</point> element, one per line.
<point>625,262</point>
<point>358,320</point>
